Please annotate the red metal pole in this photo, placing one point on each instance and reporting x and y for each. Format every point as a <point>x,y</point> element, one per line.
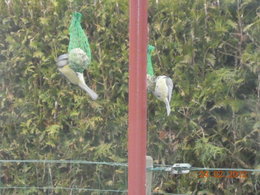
<point>137,107</point>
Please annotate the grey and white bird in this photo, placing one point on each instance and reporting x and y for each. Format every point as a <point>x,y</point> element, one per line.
<point>72,65</point>
<point>161,87</point>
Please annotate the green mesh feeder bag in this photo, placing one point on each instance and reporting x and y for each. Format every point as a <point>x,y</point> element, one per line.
<point>79,49</point>
<point>149,60</point>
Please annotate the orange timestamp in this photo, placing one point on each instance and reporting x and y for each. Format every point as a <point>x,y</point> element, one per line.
<point>222,174</point>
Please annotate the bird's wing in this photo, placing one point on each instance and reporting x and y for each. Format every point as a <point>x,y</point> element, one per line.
<point>69,74</point>
<point>169,84</point>
<point>82,84</point>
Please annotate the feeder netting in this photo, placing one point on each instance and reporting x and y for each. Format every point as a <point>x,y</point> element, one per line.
<point>78,39</point>
<point>149,60</point>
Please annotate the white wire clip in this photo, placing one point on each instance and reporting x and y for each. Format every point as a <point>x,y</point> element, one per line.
<point>179,168</point>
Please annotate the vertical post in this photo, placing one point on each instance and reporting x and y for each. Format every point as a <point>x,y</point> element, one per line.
<point>137,97</point>
<point>149,175</point>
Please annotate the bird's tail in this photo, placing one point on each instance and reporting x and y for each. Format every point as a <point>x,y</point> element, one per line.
<point>89,91</point>
<point>168,108</point>
<point>84,86</point>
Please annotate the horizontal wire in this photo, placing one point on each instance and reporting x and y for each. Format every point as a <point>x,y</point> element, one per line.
<point>165,193</point>
<point>66,162</point>
<point>60,188</point>
<point>223,169</point>
<point>76,189</point>
<point>159,168</point>
<point>203,169</point>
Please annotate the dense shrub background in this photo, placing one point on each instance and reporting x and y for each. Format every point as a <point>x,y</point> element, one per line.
<point>210,48</point>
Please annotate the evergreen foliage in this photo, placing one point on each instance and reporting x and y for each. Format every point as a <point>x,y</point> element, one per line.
<point>211,50</point>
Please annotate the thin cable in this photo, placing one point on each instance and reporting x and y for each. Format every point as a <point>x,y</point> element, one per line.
<point>165,193</point>
<point>159,168</point>
<point>166,168</point>
<point>204,169</point>
<point>78,189</point>
<point>66,162</point>
<point>223,169</point>
<point>60,188</point>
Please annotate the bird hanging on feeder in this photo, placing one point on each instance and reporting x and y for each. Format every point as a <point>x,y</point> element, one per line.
<point>70,64</point>
<point>160,86</point>
<point>78,58</point>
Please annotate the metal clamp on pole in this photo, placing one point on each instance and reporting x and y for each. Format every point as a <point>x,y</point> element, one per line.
<point>179,168</point>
